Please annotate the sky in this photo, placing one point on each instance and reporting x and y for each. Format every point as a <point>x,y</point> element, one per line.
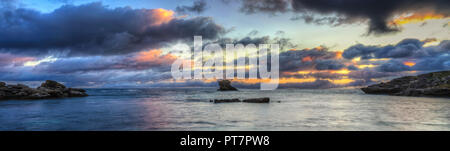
<point>128,43</point>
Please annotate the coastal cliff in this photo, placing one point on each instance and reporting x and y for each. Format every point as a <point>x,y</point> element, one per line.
<point>430,84</point>
<point>48,89</point>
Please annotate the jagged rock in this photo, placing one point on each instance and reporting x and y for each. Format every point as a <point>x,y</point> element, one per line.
<point>225,85</point>
<point>225,100</point>
<point>39,95</point>
<point>257,100</point>
<point>49,89</point>
<point>444,92</point>
<point>2,94</point>
<point>430,84</point>
<point>49,84</point>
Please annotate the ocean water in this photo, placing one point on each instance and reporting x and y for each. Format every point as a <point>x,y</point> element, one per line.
<point>190,109</point>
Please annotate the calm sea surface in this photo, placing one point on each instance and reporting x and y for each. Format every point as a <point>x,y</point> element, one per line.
<point>190,109</point>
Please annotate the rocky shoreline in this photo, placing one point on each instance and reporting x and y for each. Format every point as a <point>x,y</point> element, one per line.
<point>430,84</point>
<point>48,89</point>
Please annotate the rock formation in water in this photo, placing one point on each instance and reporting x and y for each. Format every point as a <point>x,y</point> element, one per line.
<point>430,84</point>
<point>252,100</point>
<point>225,100</point>
<point>225,85</point>
<point>49,89</point>
<point>257,100</point>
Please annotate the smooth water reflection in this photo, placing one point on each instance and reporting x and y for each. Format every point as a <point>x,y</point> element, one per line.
<point>190,109</point>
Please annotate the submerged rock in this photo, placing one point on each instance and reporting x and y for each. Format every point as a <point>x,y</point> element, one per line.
<point>252,100</point>
<point>225,100</point>
<point>225,85</point>
<point>430,84</point>
<point>257,100</point>
<point>49,89</point>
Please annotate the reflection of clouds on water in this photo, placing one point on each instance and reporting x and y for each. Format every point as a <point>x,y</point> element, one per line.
<point>190,109</point>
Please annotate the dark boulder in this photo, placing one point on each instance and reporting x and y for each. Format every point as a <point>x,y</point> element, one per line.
<point>225,100</point>
<point>49,84</point>
<point>257,100</point>
<point>225,85</point>
<point>252,100</point>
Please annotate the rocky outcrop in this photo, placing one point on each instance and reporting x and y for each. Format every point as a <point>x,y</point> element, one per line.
<point>225,100</point>
<point>257,100</point>
<point>225,85</point>
<point>430,84</point>
<point>49,89</point>
<point>252,100</point>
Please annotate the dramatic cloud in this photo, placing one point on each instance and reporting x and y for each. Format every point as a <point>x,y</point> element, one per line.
<point>378,13</point>
<point>412,48</point>
<point>393,66</point>
<point>93,45</point>
<point>433,63</point>
<point>146,60</point>
<point>95,29</point>
<point>8,59</point>
<point>329,65</point>
<point>368,75</point>
<point>308,59</point>
<point>407,55</point>
<point>198,7</point>
<point>270,6</point>
<point>285,43</point>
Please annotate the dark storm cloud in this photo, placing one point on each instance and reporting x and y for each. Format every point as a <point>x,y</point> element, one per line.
<point>352,67</point>
<point>12,60</point>
<point>393,66</point>
<point>370,74</point>
<point>407,48</point>
<point>430,58</point>
<point>97,63</point>
<point>284,43</point>
<point>90,79</point>
<point>329,65</point>
<point>376,12</point>
<point>197,7</point>
<point>95,29</point>
<point>433,63</point>
<point>294,60</point>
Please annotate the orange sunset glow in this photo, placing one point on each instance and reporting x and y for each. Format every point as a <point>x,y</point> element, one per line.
<point>409,63</point>
<point>286,80</point>
<point>306,59</point>
<point>415,17</point>
<point>339,54</point>
<point>161,16</point>
<point>155,56</point>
